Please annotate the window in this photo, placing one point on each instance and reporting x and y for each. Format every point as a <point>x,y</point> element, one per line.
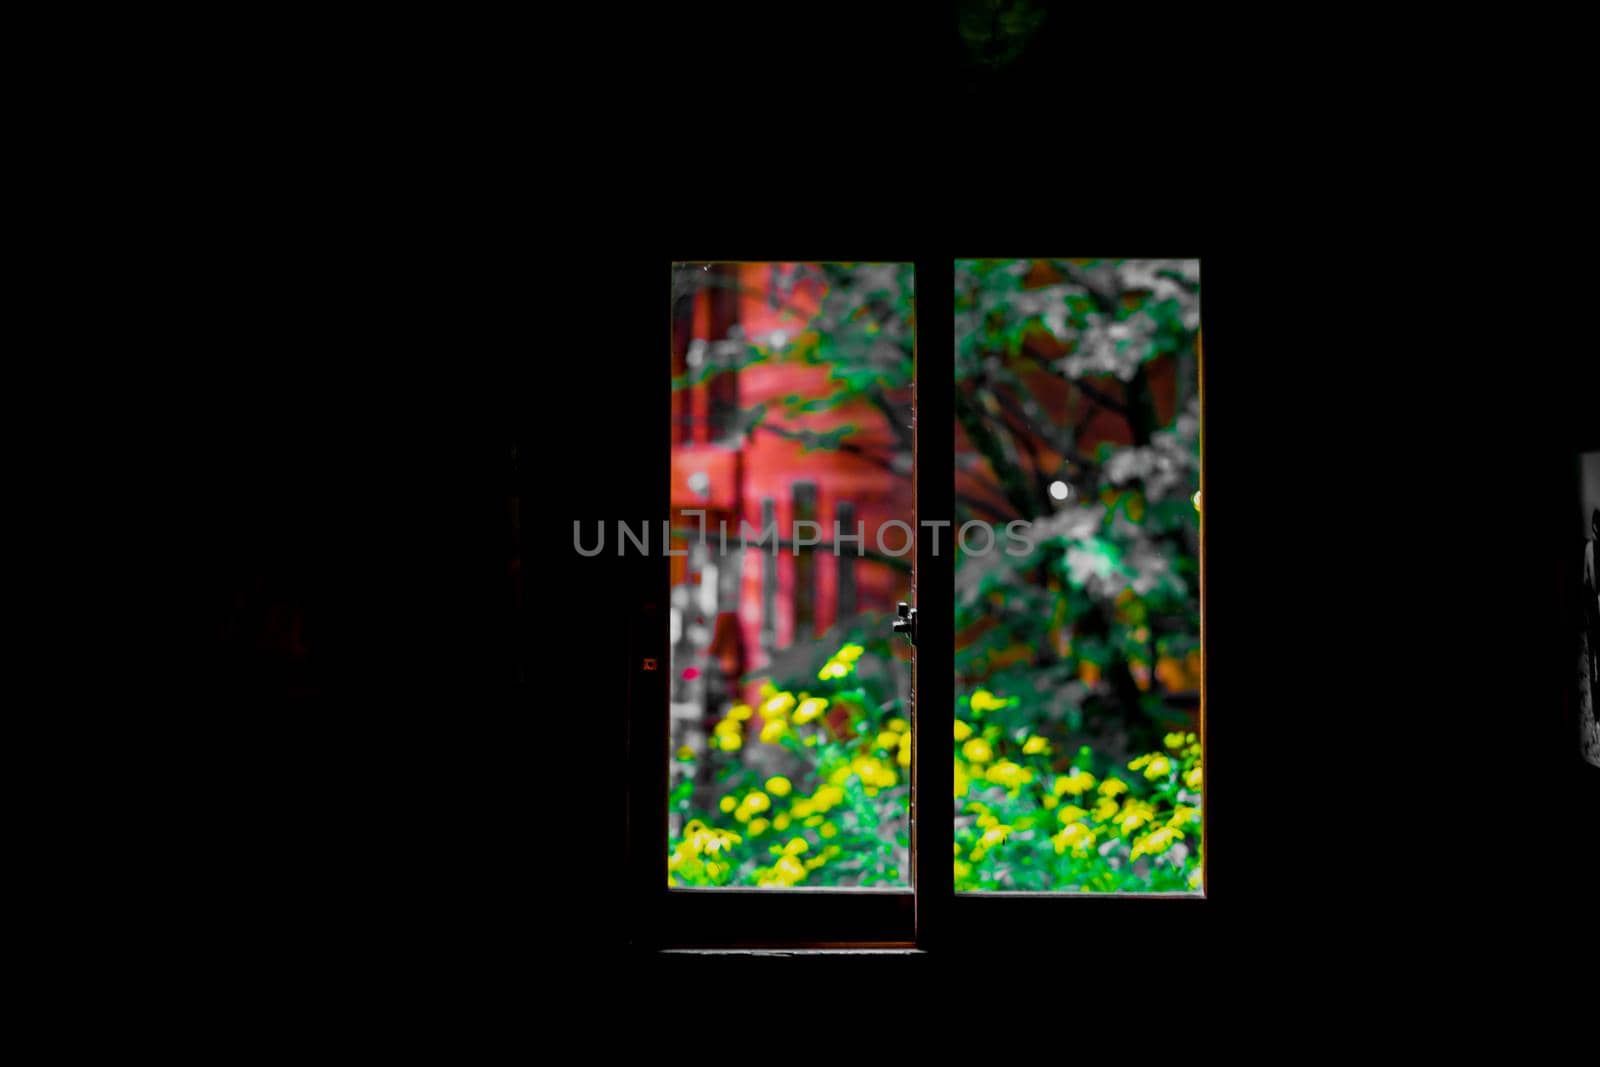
<point>790,778</point>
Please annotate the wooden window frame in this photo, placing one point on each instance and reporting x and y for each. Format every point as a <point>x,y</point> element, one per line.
<point>929,916</point>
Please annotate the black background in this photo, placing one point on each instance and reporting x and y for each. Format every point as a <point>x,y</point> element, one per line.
<point>1384,605</point>
<point>395,813</point>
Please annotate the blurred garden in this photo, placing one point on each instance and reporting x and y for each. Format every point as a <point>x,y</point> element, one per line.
<point>1077,670</point>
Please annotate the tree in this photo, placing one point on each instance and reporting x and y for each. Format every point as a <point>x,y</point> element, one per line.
<point>1077,404</point>
<point>1098,626</point>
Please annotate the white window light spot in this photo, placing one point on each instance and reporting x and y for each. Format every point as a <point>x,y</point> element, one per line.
<point>1060,490</point>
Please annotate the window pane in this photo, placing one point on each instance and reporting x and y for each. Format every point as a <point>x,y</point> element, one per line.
<point>792,390</point>
<point>1077,755</point>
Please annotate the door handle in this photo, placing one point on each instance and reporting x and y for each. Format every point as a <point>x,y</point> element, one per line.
<point>906,620</point>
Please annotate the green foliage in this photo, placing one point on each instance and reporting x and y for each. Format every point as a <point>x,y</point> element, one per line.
<point>841,809</point>
<point>1101,616</point>
<point>1031,814</point>
<point>995,32</point>
<point>1075,659</point>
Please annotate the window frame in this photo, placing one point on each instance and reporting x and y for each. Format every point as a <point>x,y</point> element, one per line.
<point>929,915</point>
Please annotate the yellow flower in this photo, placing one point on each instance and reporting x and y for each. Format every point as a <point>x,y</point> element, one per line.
<point>904,757</point>
<point>810,709</point>
<point>1112,787</point>
<point>1034,746</point>
<point>1070,813</point>
<point>828,829</point>
<point>780,822</point>
<point>740,712</point>
<point>727,804</point>
<point>873,772</point>
<point>1155,765</point>
<point>963,869</point>
<point>777,706</point>
<point>962,782</point>
<point>1077,783</point>
<point>1050,800</point>
<point>983,700</point>
<point>701,838</point>
<point>1182,814</point>
<point>993,836</point>
<point>1174,740</point>
<point>1009,774</point>
<point>1156,842</point>
<point>757,801</point>
<point>727,735</point>
<point>888,739</point>
<point>1192,779</point>
<point>801,808</point>
<point>1135,814</point>
<point>685,752</point>
<point>779,786</point>
<point>774,731</point>
<point>827,797</point>
<point>898,725</point>
<point>1194,878</point>
<point>841,663</point>
<point>1105,809</point>
<point>758,827</point>
<point>791,869</point>
<point>1075,836</point>
<point>977,750</point>
<point>963,731</point>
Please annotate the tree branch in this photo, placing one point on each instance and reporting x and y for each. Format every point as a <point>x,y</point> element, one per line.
<point>989,446</point>
<point>897,419</point>
<point>1105,400</point>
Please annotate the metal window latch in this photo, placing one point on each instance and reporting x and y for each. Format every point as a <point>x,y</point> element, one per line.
<point>906,620</point>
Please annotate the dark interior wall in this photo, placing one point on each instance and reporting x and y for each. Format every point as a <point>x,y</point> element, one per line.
<point>397,796</point>
<point>1589,497</point>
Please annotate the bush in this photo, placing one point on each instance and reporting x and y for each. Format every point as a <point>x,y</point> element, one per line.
<point>1032,814</point>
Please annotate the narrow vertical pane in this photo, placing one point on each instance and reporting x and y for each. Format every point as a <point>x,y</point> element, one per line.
<point>1077,735</point>
<point>792,506</point>
<point>1588,586</point>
